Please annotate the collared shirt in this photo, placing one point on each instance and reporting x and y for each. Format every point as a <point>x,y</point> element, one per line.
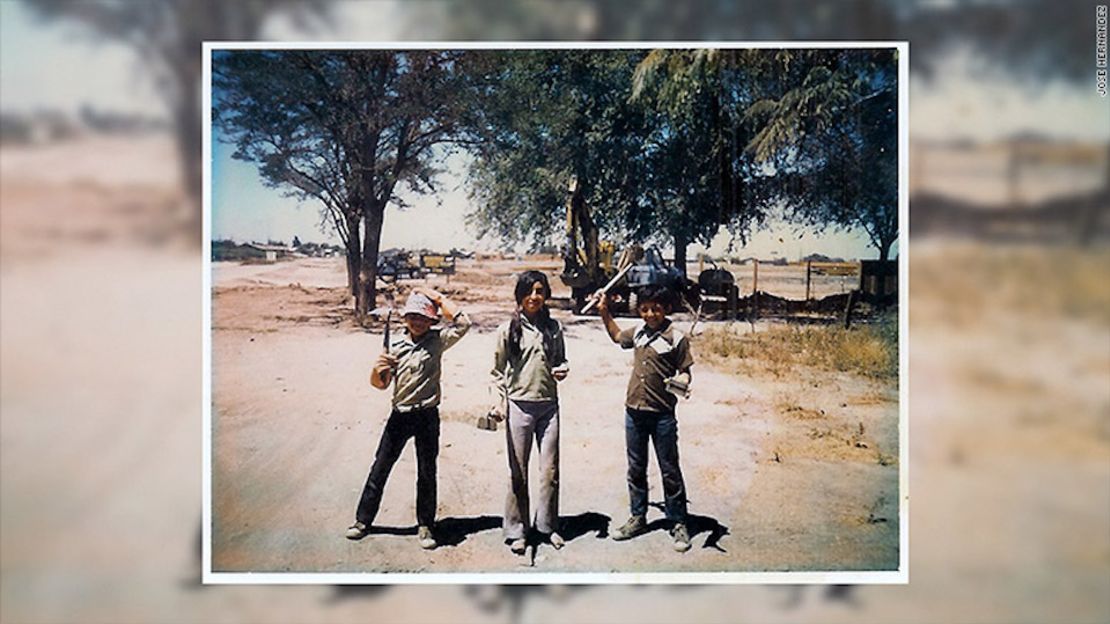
<point>656,356</point>
<point>528,378</point>
<point>416,378</point>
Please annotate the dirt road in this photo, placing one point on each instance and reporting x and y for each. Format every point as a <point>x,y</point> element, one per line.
<point>773,484</point>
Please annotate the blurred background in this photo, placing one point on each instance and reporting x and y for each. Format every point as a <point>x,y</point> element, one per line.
<point>100,310</point>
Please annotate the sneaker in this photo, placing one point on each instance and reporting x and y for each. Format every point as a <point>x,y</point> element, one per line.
<point>556,540</point>
<point>518,545</point>
<point>357,531</point>
<point>631,528</point>
<point>424,536</point>
<point>681,537</point>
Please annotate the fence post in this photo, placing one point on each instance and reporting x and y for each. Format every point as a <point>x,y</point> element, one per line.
<point>852,296</point>
<point>809,268</point>
<point>755,276</point>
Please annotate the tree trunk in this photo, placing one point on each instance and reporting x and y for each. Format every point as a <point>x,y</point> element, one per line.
<point>354,255</point>
<point>680,253</point>
<point>368,292</point>
<point>727,204</point>
<point>884,247</point>
<point>588,229</point>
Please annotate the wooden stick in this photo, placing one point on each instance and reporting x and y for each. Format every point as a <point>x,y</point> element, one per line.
<point>590,304</point>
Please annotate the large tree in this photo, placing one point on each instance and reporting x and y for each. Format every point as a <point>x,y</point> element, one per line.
<point>642,171</point>
<point>811,131</point>
<point>552,127</point>
<point>698,167</point>
<point>349,128</point>
<point>828,139</point>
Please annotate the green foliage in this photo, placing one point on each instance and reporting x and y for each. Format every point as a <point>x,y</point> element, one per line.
<point>827,133</point>
<point>811,131</point>
<point>224,250</point>
<point>699,170</point>
<point>343,127</point>
<point>346,127</point>
<point>544,118</point>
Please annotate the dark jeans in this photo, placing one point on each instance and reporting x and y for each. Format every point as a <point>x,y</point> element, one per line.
<point>423,425</point>
<point>662,428</point>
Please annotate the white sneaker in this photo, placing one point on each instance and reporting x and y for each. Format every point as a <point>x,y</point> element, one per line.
<point>681,537</point>
<point>425,537</point>
<point>357,531</point>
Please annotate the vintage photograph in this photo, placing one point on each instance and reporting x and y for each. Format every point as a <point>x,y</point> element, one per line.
<point>593,313</point>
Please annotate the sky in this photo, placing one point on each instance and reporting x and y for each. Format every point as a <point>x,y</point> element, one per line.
<point>57,66</point>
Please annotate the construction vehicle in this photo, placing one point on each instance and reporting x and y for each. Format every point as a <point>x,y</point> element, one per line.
<point>433,262</point>
<point>589,266</point>
<point>652,269</point>
<point>587,262</point>
<point>718,290</point>
<point>394,264</point>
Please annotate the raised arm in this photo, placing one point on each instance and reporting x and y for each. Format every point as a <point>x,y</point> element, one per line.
<point>445,305</point>
<point>606,317</point>
<point>459,321</point>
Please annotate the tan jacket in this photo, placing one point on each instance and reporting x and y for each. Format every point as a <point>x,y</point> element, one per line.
<point>529,378</point>
<point>416,380</point>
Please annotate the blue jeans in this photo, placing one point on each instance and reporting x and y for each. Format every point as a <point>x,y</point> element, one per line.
<point>662,428</point>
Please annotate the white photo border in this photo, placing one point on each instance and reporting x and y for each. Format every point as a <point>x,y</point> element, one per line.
<point>885,577</point>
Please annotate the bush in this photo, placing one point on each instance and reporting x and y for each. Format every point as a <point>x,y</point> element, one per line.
<point>868,350</point>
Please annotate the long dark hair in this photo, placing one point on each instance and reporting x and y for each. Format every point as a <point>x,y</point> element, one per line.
<point>543,322</point>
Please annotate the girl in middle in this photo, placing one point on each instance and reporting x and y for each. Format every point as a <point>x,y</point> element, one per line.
<point>529,361</point>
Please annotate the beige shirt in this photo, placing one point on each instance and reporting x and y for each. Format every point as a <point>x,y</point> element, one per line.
<point>416,379</point>
<point>656,356</point>
<point>529,377</point>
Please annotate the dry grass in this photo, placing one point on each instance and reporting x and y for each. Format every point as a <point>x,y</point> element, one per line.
<point>869,350</point>
<point>967,286</point>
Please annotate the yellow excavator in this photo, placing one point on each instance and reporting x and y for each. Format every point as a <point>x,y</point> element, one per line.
<point>587,262</point>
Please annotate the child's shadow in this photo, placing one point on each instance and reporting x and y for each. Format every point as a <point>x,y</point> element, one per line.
<point>454,531</point>
<point>573,527</point>
<point>695,525</point>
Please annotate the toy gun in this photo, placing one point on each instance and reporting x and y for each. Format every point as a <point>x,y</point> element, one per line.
<point>388,311</point>
<point>385,334</point>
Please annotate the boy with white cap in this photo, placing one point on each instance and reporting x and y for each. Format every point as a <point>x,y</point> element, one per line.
<point>412,363</point>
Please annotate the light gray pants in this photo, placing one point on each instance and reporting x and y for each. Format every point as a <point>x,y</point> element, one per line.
<point>527,419</point>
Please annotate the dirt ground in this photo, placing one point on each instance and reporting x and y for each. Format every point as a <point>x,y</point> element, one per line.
<point>775,478</point>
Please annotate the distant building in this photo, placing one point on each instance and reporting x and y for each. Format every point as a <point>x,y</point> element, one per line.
<point>272,252</point>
